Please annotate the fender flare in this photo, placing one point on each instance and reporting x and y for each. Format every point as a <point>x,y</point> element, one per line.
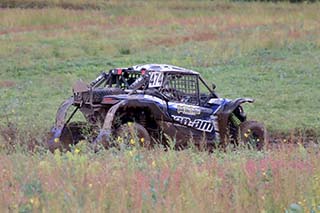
<point>60,121</point>
<point>107,128</point>
<point>231,106</point>
<point>223,117</point>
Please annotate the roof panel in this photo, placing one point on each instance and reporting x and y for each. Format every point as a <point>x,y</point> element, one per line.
<point>163,68</point>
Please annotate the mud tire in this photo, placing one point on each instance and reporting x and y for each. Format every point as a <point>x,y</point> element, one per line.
<point>133,131</point>
<point>253,134</point>
<point>71,134</point>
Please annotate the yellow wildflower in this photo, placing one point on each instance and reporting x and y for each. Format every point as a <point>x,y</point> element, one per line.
<point>2,145</point>
<point>119,139</point>
<point>35,202</point>
<point>153,164</point>
<point>132,141</point>
<point>77,150</point>
<point>142,140</point>
<point>56,140</point>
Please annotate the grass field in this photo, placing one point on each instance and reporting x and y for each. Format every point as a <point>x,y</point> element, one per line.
<point>267,51</point>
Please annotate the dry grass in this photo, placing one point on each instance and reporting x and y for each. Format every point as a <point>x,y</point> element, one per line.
<point>19,20</point>
<point>247,27</point>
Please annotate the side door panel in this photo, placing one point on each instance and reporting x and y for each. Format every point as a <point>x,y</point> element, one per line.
<point>193,119</point>
<point>189,120</point>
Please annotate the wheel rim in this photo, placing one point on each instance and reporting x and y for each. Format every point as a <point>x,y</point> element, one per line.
<point>253,140</point>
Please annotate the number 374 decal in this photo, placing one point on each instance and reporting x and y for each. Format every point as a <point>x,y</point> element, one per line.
<point>203,125</point>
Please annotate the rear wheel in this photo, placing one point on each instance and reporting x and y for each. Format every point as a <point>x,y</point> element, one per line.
<point>253,134</point>
<point>132,134</point>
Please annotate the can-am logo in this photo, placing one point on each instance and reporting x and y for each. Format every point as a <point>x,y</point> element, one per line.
<point>202,125</point>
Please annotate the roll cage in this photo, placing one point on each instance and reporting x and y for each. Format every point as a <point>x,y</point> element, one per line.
<point>172,83</point>
<point>116,78</point>
<point>181,87</point>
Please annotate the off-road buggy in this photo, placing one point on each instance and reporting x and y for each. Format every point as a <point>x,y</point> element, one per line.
<point>151,104</point>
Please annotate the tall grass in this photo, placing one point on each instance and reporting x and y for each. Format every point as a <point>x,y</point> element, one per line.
<point>138,180</point>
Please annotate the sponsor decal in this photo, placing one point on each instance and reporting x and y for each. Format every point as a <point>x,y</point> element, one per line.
<point>188,110</point>
<point>202,125</point>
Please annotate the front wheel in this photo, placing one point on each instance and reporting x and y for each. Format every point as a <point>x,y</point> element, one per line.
<point>71,134</point>
<point>253,134</point>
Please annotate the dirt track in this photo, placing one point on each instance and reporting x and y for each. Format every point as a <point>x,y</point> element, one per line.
<point>11,134</point>
<point>307,139</point>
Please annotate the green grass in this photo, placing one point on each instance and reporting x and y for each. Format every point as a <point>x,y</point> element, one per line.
<point>266,51</point>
